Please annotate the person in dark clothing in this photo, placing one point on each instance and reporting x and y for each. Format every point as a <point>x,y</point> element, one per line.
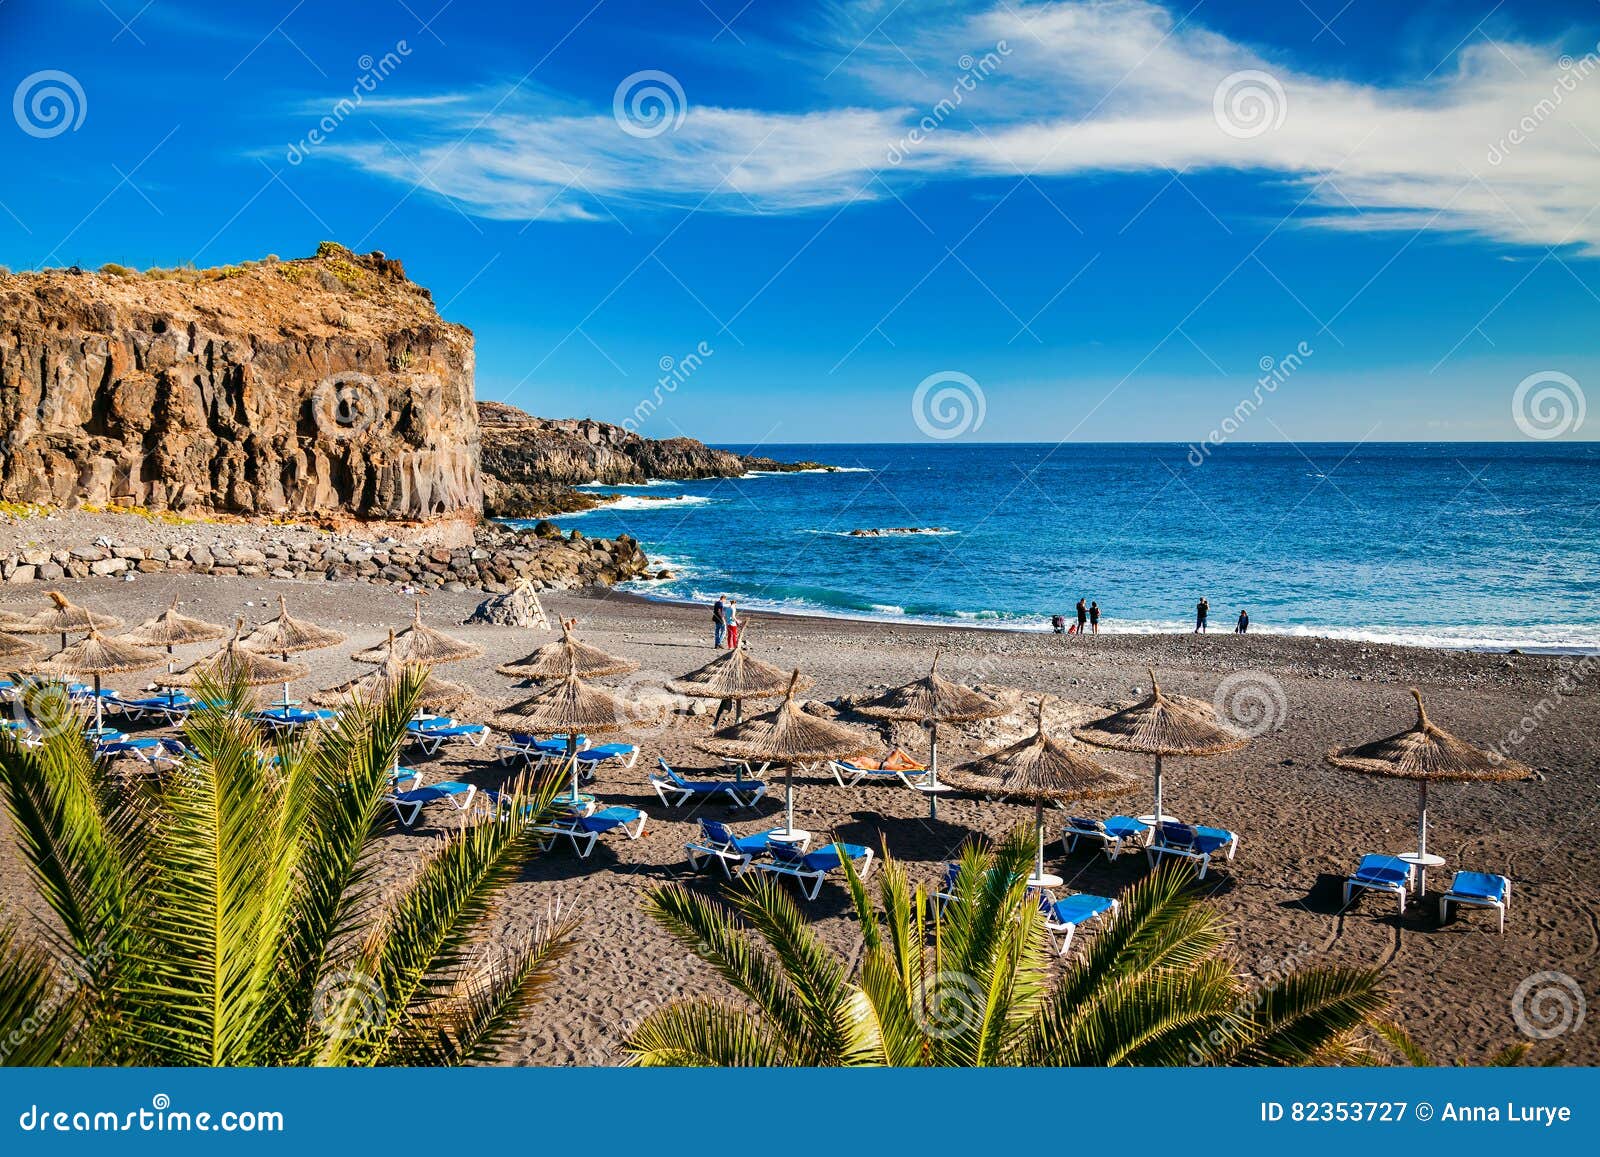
<point>1244,623</point>
<point>719,620</point>
<point>1083,615</point>
<point>1094,617</point>
<point>1201,610</point>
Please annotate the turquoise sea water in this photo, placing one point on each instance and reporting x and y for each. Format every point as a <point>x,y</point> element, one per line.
<point>1470,545</point>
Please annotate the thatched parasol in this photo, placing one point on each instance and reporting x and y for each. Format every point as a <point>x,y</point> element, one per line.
<point>734,677</point>
<point>1043,770</point>
<point>419,644</point>
<point>285,636</point>
<point>788,735</point>
<point>15,649</point>
<point>571,707</point>
<point>95,655</point>
<point>233,660</point>
<point>170,629</point>
<point>64,618</point>
<point>930,701</point>
<point>1428,754</point>
<point>376,685</point>
<point>1162,724</point>
<point>566,656</point>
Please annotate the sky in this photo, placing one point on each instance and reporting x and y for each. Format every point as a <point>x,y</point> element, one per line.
<point>882,221</point>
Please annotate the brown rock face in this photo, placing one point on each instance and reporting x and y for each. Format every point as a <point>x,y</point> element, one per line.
<point>326,386</point>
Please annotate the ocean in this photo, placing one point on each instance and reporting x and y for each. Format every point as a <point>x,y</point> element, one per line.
<point>1480,545</point>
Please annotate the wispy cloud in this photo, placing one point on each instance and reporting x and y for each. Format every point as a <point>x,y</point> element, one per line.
<point>1503,142</point>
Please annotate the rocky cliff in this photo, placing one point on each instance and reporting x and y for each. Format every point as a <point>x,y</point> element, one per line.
<point>325,386</point>
<point>531,465</point>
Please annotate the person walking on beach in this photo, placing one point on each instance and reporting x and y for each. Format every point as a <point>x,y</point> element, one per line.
<point>1094,617</point>
<point>1244,623</point>
<point>1083,615</point>
<point>733,625</point>
<point>719,620</point>
<point>1201,610</point>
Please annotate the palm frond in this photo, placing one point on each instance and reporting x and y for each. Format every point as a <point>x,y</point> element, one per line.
<point>704,1033</point>
<point>39,1004</point>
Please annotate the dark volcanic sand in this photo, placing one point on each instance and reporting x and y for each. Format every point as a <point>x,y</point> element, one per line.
<point>1302,822</point>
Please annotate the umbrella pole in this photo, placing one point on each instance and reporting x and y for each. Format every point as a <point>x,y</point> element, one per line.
<point>1159,812</point>
<point>572,757</point>
<point>788,798</point>
<point>1038,823</point>
<point>933,770</point>
<point>97,707</point>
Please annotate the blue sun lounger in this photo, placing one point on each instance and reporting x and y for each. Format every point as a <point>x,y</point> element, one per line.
<point>408,804</point>
<point>291,718</point>
<point>433,734</point>
<point>622,754</point>
<point>584,830</point>
<point>1477,890</point>
<point>145,749</point>
<point>1191,842</point>
<point>810,869</point>
<point>1063,918</point>
<point>1380,874</point>
<point>1115,834</point>
<point>532,749</point>
<point>668,783</point>
<point>732,852</point>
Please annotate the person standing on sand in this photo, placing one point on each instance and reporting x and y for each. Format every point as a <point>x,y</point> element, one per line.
<point>1244,623</point>
<point>1083,615</point>
<point>1201,610</point>
<point>1094,617</point>
<point>733,625</point>
<point>719,620</point>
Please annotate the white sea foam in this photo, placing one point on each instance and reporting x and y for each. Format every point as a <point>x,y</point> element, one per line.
<point>807,470</point>
<point>637,503</point>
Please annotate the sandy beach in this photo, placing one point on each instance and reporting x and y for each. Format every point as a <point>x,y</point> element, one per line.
<point>1303,824</point>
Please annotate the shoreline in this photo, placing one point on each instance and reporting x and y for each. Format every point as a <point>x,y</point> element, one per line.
<point>1320,634</point>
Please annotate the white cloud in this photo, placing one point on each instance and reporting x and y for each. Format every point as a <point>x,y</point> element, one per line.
<point>1505,143</point>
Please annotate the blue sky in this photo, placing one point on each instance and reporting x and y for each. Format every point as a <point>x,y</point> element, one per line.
<point>1105,217</point>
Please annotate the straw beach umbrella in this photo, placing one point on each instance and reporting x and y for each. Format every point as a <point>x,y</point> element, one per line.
<point>930,701</point>
<point>732,677</point>
<point>1042,770</point>
<point>376,685</point>
<point>170,629</point>
<point>788,735</point>
<point>233,660</point>
<point>1160,725</point>
<point>64,618</point>
<point>94,656</point>
<point>419,644</point>
<point>285,636</point>
<point>571,707</point>
<point>14,648</point>
<point>1427,753</point>
<point>566,656</point>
